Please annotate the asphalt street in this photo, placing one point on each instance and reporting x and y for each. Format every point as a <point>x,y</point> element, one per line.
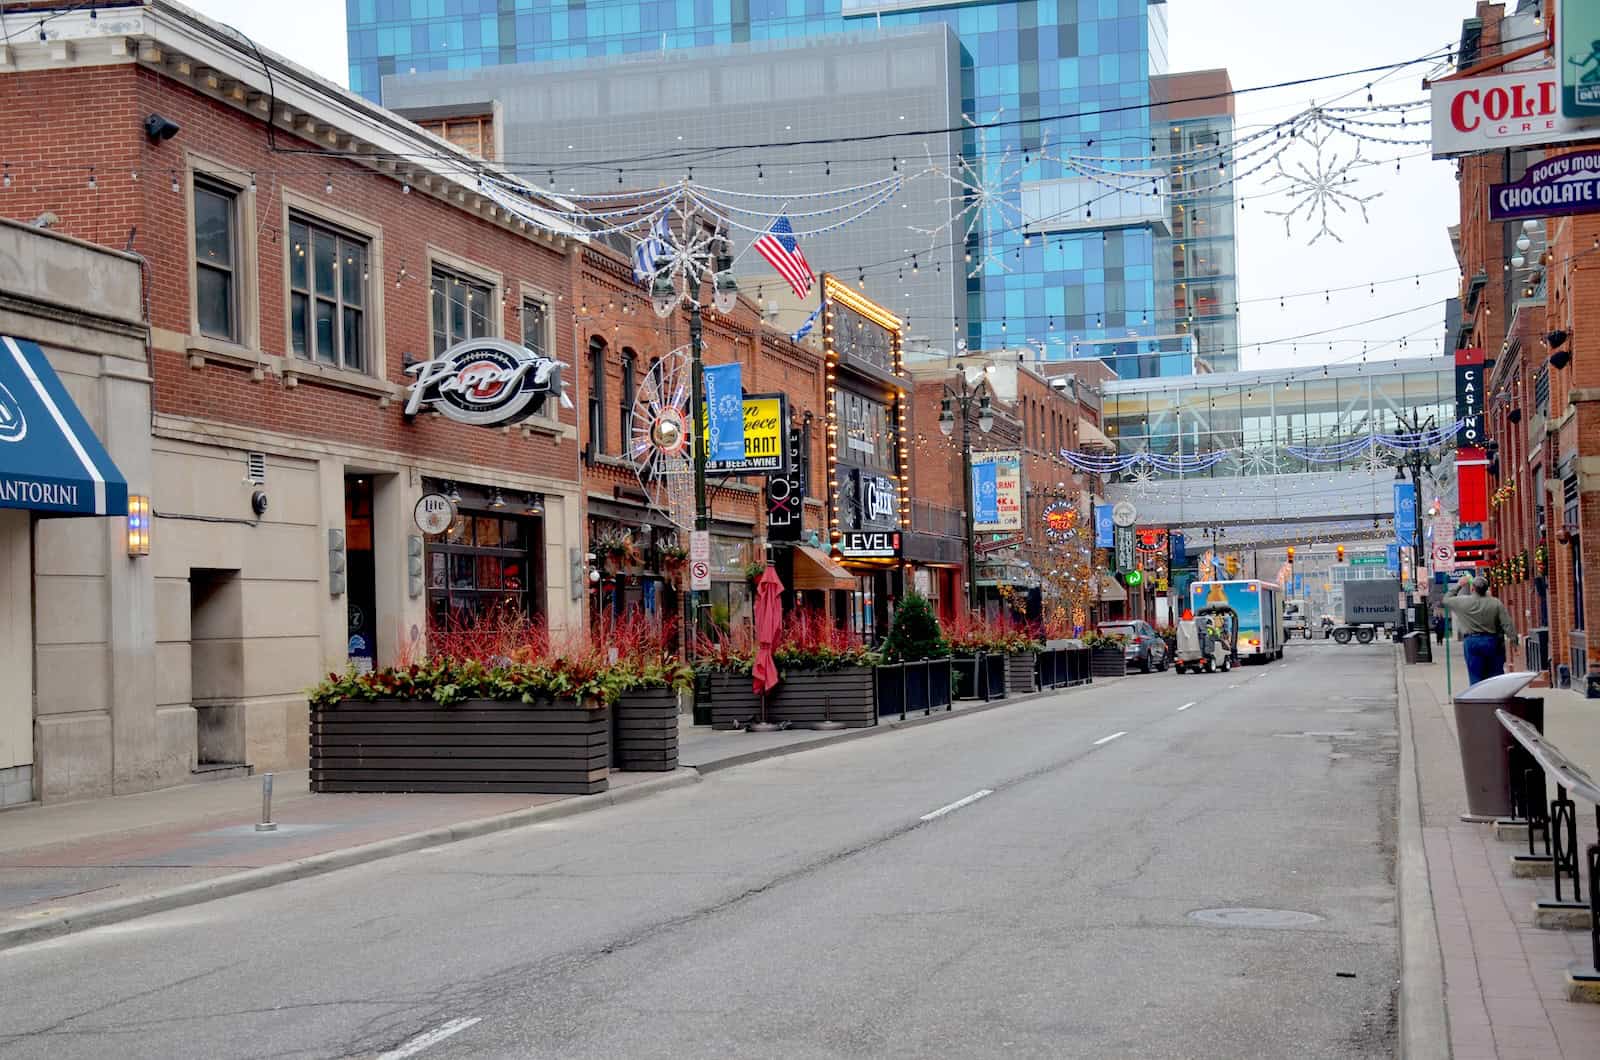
<point>1017,883</point>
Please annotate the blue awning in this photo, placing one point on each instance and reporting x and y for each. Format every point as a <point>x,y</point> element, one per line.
<point>50,461</point>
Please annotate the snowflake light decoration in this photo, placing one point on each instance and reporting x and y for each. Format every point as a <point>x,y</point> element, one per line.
<point>1262,460</point>
<point>1314,188</point>
<point>1141,478</point>
<point>1375,461</point>
<point>985,200</point>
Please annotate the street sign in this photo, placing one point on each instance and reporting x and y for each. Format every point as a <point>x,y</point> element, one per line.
<point>699,560</point>
<point>1123,513</point>
<point>1124,548</point>
<point>1368,561</point>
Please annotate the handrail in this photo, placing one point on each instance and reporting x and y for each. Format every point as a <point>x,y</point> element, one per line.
<point>1566,772</point>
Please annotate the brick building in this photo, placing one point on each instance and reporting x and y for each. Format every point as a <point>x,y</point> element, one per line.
<point>623,344</point>
<point>1531,303</point>
<point>292,274</point>
<point>1037,415</point>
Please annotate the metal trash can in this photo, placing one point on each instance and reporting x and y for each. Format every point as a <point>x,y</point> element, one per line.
<point>1409,642</point>
<point>1424,646</point>
<point>1486,746</point>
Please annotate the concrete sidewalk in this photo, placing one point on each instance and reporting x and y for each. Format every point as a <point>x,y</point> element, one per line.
<point>68,866</point>
<point>1501,980</point>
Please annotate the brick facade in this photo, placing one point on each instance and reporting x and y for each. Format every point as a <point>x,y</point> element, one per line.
<point>1543,419</point>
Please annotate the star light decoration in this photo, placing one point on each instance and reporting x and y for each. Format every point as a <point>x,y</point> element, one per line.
<point>1262,460</point>
<point>986,200</point>
<point>1312,189</point>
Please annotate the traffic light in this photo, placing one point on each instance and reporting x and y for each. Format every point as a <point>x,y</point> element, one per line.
<point>1231,565</point>
<point>1291,553</point>
<point>1339,552</point>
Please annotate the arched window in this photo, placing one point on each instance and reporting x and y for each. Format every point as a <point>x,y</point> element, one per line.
<point>629,392</point>
<point>597,396</point>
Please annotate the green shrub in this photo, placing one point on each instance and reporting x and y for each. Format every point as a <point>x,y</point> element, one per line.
<point>915,633</point>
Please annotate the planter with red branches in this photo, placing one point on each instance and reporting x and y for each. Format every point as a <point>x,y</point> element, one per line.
<point>500,705</point>
<point>827,675</point>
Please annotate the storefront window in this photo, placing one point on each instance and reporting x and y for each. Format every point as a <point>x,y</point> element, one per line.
<point>483,564</point>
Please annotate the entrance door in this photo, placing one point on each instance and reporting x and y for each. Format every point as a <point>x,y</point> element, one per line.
<point>361,585</point>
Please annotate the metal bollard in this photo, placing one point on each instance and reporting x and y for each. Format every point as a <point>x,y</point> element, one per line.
<point>265,824</point>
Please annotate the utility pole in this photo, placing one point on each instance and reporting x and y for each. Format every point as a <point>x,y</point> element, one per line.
<point>964,398</point>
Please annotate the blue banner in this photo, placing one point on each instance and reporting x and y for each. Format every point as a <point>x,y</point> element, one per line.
<point>725,411</point>
<point>1180,555</point>
<point>1103,537</point>
<point>985,493</point>
<point>1394,559</point>
<point>1405,514</point>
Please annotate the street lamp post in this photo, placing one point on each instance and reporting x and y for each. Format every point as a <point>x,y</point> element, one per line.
<point>964,398</point>
<point>701,257</point>
<point>1415,461</point>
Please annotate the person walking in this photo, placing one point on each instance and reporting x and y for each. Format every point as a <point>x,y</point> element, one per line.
<point>1438,624</point>
<point>1485,626</point>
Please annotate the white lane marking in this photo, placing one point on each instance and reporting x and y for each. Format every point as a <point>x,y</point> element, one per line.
<point>968,801</point>
<point>1108,739</point>
<point>1186,706</point>
<point>430,1038</point>
<point>1233,686</point>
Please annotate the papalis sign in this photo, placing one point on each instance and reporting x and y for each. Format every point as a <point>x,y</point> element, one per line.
<point>485,382</point>
<point>1567,184</point>
<point>1503,110</point>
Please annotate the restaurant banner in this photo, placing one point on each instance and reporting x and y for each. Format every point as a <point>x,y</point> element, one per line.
<point>763,438</point>
<point>1000,473</point>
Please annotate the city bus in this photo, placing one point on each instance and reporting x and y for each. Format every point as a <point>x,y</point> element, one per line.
<point>1260,609</point>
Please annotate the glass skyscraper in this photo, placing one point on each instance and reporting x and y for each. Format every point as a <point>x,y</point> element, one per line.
<point>1064,253</point>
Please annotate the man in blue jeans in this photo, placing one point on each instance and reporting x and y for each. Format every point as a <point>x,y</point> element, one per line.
<point>1485,626</point>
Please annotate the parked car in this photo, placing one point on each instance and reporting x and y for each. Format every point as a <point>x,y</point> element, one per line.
<point>1142,645</point>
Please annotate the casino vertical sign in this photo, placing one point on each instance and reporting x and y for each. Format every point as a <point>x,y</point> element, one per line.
<point>1472,464</point>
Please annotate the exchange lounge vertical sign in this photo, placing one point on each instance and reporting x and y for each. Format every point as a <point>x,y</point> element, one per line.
<point>1578,57</point>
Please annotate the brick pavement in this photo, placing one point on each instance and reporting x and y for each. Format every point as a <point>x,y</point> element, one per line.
<point>1505,979</point>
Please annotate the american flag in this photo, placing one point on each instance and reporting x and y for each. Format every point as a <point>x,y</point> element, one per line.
<point>778,246</point>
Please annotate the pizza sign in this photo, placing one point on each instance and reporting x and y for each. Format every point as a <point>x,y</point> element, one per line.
<point>1060,520</point>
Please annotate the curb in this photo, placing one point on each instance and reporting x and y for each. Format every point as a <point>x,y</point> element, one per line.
<point>256,879</point>
<point>1424,1025</point>
<point>848,735</point>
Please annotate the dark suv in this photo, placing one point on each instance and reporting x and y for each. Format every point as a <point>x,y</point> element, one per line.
<point>1142,645</point>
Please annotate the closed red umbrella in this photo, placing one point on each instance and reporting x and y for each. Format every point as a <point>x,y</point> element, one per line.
<point>769,620</point>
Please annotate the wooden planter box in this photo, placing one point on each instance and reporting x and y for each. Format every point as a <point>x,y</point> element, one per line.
<point>644,734</point>
<point>732,702</point>
<point>1020,670</point>
<point>546,748</point>
<point>846,695</point>
<point>1108,662</point>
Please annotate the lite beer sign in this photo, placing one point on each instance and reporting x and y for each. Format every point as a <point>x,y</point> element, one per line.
<point>485,382</point>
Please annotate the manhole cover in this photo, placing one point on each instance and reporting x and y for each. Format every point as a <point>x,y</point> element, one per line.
<point>1254,918</point>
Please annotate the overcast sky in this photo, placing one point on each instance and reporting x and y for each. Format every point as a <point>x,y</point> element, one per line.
<point>1261,42</point>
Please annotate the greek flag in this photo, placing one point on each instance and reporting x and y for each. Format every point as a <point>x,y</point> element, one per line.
<point>805,329</point>
<point>649,250</point>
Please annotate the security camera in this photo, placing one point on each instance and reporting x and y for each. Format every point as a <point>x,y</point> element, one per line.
<point>160,128</point>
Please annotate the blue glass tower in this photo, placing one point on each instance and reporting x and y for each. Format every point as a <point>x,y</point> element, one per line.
<point>1063,260</point>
